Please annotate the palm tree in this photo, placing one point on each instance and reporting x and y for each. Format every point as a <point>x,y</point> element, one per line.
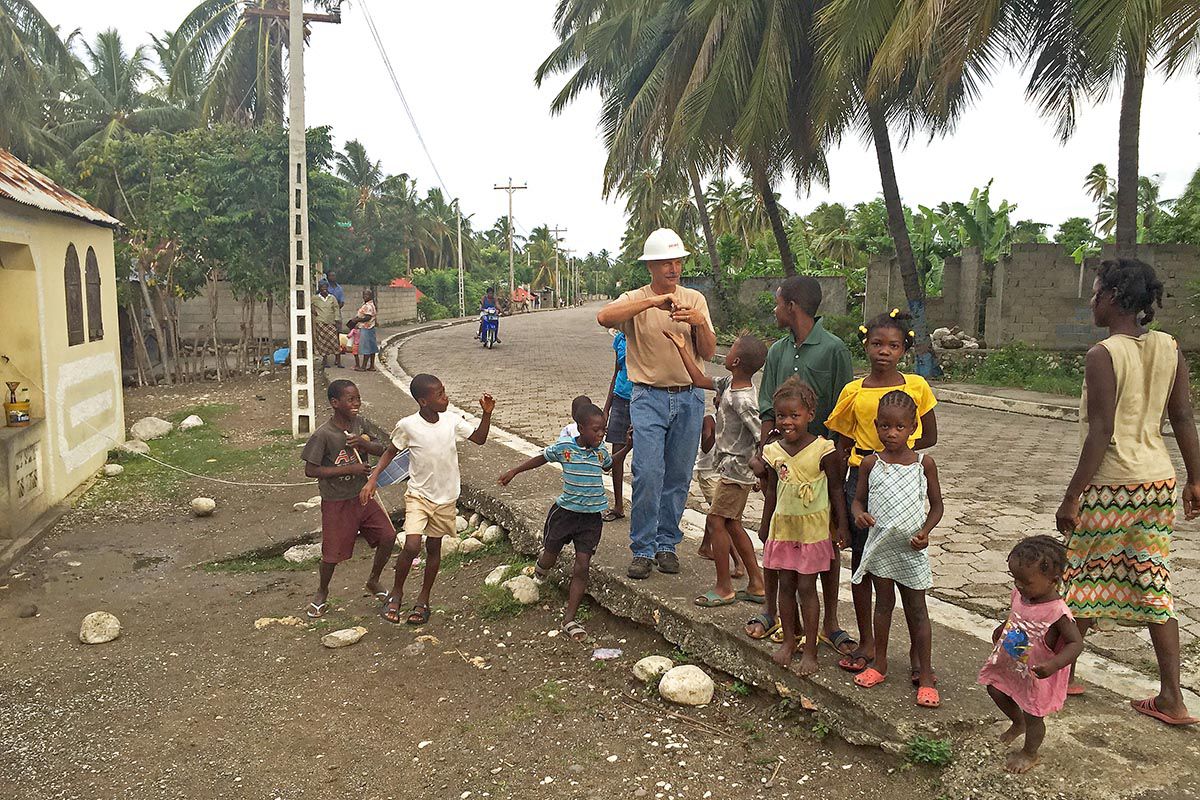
<point>363,175</point>
<point>242,56</point>
<point>35,65</point>
<point>179,82</point>
<point>109,104</point>
<point>1099,187</point>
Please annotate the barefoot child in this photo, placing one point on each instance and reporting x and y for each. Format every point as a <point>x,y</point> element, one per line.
<point>616,407</point>
<point>893,487</point>
<point>803,515</point>
<point>886,339</point>
<point>575,515</point>
<point>336,456</point>
<point>431,437</point>
<point>737,442</point>
<point>1026,673</point>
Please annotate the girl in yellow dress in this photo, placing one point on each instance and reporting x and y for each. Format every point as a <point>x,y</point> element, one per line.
<point>886,339</point>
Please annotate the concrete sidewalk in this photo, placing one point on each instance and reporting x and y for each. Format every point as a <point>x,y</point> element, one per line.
<point>1096,748</point>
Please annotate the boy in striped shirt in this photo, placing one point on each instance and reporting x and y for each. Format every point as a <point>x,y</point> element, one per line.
<point>575,515</point>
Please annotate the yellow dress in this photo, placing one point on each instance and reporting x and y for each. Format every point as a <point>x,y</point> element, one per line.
<point>857,406</point>
<point>798,539</point>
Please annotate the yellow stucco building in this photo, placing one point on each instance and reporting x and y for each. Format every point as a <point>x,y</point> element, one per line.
<point>59,339</point>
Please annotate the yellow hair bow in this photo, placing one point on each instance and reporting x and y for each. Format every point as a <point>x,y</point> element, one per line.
<point>895,313</point>
<point>912,334</point>
<point>862,329</point>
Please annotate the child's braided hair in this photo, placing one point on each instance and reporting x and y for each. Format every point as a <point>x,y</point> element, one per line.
<point>1134,285</point>
<point>899,399</point>
<point>795,389</point>
<point>896,319</point>
<point>1047,553</point>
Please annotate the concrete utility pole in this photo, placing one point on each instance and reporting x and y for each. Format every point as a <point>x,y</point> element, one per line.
<point>572,289</point>
<point>462,309</point>
<point>554,233</point>
<point>510,188</point>
<point>300,295</point>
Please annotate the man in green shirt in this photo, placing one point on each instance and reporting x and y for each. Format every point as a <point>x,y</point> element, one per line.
<point>821,360</point>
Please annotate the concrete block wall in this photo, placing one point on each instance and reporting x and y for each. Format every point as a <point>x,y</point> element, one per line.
<point>834,294</point>
<point>396,305</point>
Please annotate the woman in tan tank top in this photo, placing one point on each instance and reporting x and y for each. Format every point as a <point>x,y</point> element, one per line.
<point>1119,510</point>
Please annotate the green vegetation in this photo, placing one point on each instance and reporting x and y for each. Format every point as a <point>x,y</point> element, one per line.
<point>820,728</point>
<point>496,602</point>
<point>1023,367</point>
<point>262,559</point>
<point>741,689</point>
<point>929,752</point>
<point>550,695</point>
<point>202,451</point>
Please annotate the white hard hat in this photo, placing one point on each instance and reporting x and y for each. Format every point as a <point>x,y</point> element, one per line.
<point>663,245</point>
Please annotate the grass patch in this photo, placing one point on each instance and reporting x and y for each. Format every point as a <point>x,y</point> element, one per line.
<point>741,689</point>
<point>1020,366</point>
<point>501,549</point>
<point>682,656</point>
<point>930,752</point>
<point>495,602</point>
<point>202,451</point>
<point>550,696</point>
<point>264,559</point>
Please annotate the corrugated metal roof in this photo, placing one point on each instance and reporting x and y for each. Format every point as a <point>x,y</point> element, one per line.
<point>23,184</point>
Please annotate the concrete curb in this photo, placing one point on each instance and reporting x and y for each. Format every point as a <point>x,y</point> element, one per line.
<point>1029,408</point>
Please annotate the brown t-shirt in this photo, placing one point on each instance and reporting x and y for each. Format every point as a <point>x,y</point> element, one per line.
<point>652,358</point>
<point>327,448</point>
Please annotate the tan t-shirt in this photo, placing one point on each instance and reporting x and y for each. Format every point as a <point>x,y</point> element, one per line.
<point>1145,367</point>
<point>652,358</point>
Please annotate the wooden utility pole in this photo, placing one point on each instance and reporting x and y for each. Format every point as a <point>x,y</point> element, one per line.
<point>510,188</point>
<point>299,279</point>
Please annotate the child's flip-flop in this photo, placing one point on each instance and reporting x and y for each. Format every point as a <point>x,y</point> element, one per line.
<point>869,678</point>
<point>713,600</point>
<point>747,597</point>
<point>317,610</point>
<point>839,640</point>
<point>769,625</point>
<point>1150,709</point>
<point>391,614</point>
<point>419,615</point>
<point>611,515</point>
<point>576,631</point>
<point>928,697</point>
<point>1075,689</point>
<point>853,663</point>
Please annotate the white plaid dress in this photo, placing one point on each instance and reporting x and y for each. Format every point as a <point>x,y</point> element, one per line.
<point>896,498</point>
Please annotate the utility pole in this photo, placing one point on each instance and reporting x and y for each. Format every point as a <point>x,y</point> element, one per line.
<point>554,232</point>
<point>510,188</point>
<point>462,309</point>
<point>300,296</point>
<point>571,288</point>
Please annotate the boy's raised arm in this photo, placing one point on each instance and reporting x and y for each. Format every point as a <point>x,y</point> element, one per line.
<point>694,372</point>
<point>364,496</point>
<point>488,404</point>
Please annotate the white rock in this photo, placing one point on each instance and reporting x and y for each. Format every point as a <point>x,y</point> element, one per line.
<point>940,333</point>
<point>687,685</point>
<point>191,422</point>
<point>651,667</point>
<point>491,534</point>
<point>495,576</point>
<point>345,637</point>
<point>136,446</point>
<point>302,552</point>
<point>204,506</point>
<point>302,507</point>
<point>113,470</point>
<point>148,428</point>
<point>468,546</point>
<point>474,521</point>
<point>460,523</point>
<point>99,627</point>
<point>450,545</point>
<point>315,500</point>
<point>523,589</point>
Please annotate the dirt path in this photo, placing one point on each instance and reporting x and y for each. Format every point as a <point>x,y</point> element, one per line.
<point>193,701</point>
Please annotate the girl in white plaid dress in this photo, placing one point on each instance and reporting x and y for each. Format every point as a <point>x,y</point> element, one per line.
<point>893,487</point>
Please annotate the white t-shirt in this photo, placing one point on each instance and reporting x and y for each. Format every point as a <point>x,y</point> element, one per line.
<point>569,432</point>
<point>433,447</point>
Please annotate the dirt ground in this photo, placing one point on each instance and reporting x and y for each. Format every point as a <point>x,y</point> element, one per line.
<point>193,701</point>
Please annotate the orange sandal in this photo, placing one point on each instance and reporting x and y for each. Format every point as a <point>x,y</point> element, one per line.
<point>869,678</point>
<point>928,697</point>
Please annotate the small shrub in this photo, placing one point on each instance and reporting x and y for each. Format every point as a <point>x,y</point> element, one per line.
<point>496,602</point>
<point>931,752</point>
<point>431,309</point>
<point>741,689</point>
<point>821,729</point>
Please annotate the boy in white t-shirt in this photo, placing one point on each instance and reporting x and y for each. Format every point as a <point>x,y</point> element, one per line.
<point>431,437</point>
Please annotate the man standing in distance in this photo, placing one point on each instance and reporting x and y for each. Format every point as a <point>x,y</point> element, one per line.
<point>665,409</point>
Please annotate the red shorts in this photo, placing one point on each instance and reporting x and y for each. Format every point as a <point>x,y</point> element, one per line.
<point>343,520</point>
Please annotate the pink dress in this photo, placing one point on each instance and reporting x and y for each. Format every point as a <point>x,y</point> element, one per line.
<point>1023,642</point>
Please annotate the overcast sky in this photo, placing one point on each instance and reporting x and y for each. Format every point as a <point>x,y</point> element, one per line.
<point>467,69</point>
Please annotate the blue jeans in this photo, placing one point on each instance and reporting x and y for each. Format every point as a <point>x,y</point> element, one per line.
<point>666,431</point>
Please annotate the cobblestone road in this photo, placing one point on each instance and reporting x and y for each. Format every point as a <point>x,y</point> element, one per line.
<point>1002,474</point>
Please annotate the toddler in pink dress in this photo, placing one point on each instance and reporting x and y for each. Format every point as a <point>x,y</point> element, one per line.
<point>1026,674</point>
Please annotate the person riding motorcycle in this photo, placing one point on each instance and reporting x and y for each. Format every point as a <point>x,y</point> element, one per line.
<point>488,302</point>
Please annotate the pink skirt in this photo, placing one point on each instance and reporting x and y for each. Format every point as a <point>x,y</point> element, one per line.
<point>807,559</point>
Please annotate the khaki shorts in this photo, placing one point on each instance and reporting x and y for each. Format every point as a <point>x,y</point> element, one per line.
<point>708,486</point>
<point>424,517</point>
<point>729,501</point>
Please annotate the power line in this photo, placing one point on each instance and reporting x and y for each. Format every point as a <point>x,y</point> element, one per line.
<point>387,64</point>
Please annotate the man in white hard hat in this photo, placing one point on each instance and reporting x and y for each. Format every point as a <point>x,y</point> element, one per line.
<point>666,410</point>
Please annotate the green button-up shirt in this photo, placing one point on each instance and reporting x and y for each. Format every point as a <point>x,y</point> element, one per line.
<point>822,361</point>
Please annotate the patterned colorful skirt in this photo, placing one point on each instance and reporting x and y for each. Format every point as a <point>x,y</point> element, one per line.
<point>325,335</point>
<point>1118,559</point>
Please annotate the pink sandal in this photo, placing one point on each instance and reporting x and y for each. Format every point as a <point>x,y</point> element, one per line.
<point>928,697</point>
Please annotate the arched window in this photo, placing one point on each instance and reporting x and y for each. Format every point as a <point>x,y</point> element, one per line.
<point>74,297</point>
<point>95,312</point>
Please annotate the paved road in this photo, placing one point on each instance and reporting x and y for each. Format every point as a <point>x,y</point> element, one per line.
<point>1002,474</point>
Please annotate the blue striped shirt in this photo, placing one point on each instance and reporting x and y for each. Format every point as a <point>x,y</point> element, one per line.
<point>583,475</point>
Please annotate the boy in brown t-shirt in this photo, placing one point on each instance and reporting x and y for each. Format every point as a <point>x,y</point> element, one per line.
<point>336,455</point>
